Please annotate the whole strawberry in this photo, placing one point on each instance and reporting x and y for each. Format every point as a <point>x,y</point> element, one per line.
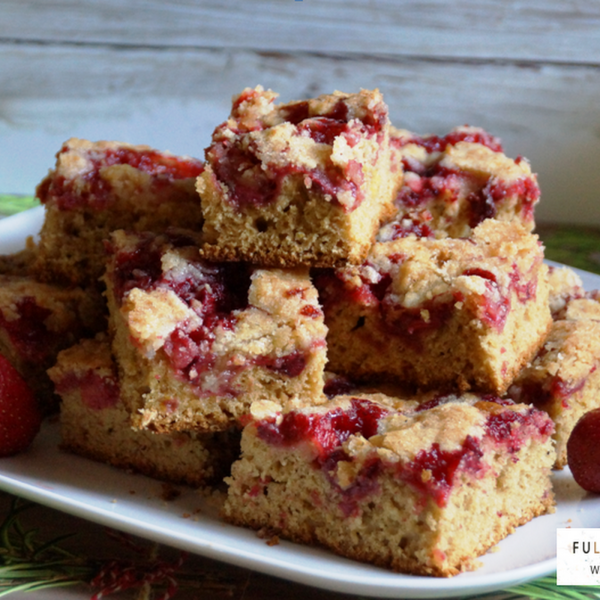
<point>20,417</point>
<point>583,451</point>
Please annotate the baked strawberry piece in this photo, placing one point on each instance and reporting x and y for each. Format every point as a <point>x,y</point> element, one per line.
<point>306,182</point>
<point>197,342</point>
<point>95,423</point>
<point>97,187</point>
<point>454,182</point>
<point>418,488</point>
<point>440,314</point>
<point>20,415</point>
<point>37,320</point>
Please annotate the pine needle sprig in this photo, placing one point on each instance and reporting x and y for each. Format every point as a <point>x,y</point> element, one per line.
<point>546,588</point>
<point>11,204</point>
<point>28,564</point>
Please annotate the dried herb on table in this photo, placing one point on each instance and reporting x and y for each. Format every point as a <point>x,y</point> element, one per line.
<point>29,563</point>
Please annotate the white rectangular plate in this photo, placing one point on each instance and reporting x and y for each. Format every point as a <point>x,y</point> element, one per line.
<point>135,504</point>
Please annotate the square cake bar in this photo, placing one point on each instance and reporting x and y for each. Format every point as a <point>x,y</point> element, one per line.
<point>440,314</point>
<point>197,342</point>
<point>306,182</point>
<point>97,187</point>
<point>419,488</point>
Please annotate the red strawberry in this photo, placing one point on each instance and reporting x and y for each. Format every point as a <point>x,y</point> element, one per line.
<point>583,451</point>
<point>20,417</point>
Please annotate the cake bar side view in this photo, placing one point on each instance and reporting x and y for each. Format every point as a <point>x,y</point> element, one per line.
<point>306,182</point>
<point>95,423</point>
<point>422,490</point>
<point>97,187</point>
<point>196,342</point>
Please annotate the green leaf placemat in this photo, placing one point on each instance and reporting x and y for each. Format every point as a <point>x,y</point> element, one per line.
<point>11,204</point>
<point>573,245</point>
<point>545,588</point>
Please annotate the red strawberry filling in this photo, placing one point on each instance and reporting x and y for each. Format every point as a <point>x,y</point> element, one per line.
<point>515,429</point>
<point>542,393</point>
<point>425,186</point>
<point>506,429</point>
<point>436,143</point>
<point>413,324</point>
<point>28,332</point>
<point>97,392</point>
<point>409,224</point>
<point>443,466</point>
<point>251,181</point>
<point>326,431</point>
<point>92,190</point>
<point>215,292</point>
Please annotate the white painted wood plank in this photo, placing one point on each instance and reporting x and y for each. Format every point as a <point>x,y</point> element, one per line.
<point>173,99</point>
<point>546,30</point>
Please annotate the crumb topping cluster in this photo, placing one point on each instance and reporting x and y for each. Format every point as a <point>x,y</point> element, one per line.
<point>454,182</point>
<point>82,176</point>
<point>321,143</point>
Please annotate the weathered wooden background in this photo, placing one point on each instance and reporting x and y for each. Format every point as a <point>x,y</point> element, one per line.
<point>162,73</point>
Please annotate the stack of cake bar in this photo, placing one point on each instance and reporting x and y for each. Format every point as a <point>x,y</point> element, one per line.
<point>366,308</point>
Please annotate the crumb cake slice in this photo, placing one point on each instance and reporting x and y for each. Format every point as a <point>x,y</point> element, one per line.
<point>564,377</point>
<point>197,342</point>
<point>97,187</point>
<point>449,314</point>
<point>454,182</point>
<point>94,423</point>
<point>421,489</point>
<point>306,182</point>
<point>37,320</point>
